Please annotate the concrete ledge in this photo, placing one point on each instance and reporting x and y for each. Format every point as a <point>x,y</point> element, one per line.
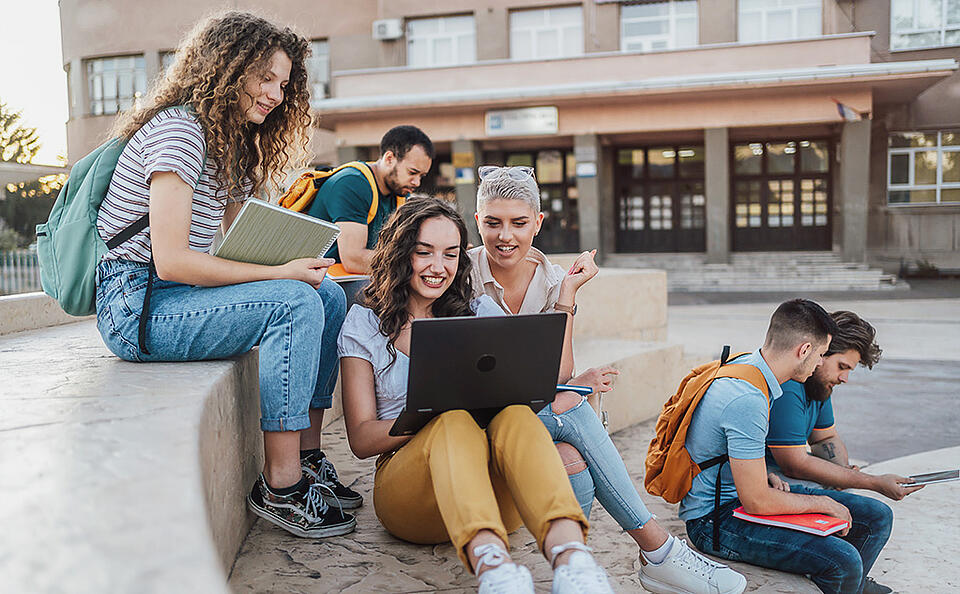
<point>30,311</point>
<point>104,464</point>
<point>647,376</point>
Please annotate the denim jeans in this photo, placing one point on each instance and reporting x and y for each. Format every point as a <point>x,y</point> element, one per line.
<point>835,564</point>
<point>295,325</point>
<point>606,475</point>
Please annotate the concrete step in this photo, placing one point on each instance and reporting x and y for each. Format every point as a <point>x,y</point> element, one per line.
<point>649,374</point>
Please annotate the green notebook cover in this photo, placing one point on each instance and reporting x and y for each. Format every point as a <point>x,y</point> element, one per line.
<point>265,233</point>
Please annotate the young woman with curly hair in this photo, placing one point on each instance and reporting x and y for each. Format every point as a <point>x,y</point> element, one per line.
<point>232,112</point>
<point>453,481</point>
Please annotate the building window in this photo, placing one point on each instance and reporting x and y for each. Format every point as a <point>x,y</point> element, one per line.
<point>318,69</point>
<point>654,26</point>
<point>441,41</point>
<point>924,23</point>
<point>166,60</point>
<point>772,20</point>
<point>923,168</point>
<point>115,83</point>
<point>546,33</point>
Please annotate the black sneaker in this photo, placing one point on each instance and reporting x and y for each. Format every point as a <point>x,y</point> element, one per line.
<point>870,586</point>
<point>304,512</point>
<point>320,469</point>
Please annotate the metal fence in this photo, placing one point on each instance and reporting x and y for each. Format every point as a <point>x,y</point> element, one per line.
<point>19,272</point>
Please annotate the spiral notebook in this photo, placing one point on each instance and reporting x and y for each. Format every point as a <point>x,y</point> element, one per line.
<point>265,233</point>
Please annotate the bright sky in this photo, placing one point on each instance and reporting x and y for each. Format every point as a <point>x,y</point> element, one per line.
<point>32,79</point>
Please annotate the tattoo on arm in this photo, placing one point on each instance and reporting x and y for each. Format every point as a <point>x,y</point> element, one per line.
<point>830,450</point>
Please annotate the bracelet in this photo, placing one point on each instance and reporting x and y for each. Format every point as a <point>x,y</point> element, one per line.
<point>572,310</point>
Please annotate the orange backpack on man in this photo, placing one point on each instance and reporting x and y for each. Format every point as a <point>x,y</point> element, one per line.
<point>669,468</point>
<point>299,196</point>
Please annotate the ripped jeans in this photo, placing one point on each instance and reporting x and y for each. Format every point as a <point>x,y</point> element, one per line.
<point>606,476</point>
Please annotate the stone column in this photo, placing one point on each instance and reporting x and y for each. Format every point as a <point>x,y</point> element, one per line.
<point>854,189</point>
<point>717,182</point>
<point>466,158</point>
<point>587,152</point>
<point>345,154</point>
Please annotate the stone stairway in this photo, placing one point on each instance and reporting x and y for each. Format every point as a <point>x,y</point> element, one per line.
<point>762,271</point>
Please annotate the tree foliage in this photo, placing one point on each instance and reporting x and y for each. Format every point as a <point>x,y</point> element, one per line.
<point>18,143</point>
<point>26,204</point>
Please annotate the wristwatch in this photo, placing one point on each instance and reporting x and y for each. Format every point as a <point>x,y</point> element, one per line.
<point>572,310</point>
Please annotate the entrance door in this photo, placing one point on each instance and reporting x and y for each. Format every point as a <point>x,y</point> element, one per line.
<point>781,196</point>
<point>661,201</point>
<point>556,176</point>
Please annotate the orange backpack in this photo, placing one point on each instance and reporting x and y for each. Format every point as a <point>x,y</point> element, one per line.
<point>669,468</point>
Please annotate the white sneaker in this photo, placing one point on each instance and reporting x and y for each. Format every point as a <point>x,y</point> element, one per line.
<point>686,571</point>
<point>503,577</point>
<point>581,574</point>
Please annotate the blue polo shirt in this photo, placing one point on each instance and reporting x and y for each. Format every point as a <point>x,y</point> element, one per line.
<point>793,418</point>
<point>730,419</point>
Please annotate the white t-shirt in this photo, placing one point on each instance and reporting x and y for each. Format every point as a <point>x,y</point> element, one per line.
<point>171,141</point>
<point>360,337</point>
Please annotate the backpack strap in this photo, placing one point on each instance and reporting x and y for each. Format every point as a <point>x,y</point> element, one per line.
<point>755,377</point>
<point>367,171</point>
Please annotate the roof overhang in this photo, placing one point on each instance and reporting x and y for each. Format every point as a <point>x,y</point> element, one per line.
<point>900,81</point>
<point>15,173</point>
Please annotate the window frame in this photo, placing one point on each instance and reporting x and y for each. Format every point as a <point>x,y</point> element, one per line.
<point>531,32</point>
<point>315,57</point>
<point>941,29</point>
<point>671,18</point>
<point>938,187</point>
<point>768,7</point>
<point>138,84</point>
<point>454,36</point>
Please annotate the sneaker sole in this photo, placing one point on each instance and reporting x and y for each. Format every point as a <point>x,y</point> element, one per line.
<point>651,585</point>
<point>338,530</point>
<point>351,503</point>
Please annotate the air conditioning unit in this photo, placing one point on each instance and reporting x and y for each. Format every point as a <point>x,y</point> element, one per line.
<point>388,29</point>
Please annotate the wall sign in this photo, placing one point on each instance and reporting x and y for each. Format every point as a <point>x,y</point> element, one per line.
<point>526,121</point>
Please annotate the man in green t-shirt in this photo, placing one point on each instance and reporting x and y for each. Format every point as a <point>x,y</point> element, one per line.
<point>406,154</point>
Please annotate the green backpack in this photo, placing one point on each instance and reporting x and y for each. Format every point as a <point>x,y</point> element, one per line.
<point>68,244</point>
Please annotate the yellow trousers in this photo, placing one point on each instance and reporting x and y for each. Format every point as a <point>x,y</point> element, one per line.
<point>454,479</point>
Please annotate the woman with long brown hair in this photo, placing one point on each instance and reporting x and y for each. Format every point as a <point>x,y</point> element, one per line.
<point>452,481</point>
<point>223,123</point>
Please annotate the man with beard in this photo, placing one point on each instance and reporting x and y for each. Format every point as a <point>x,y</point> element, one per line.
<point>406,154</point>
<point>732,420</point>
<point>804,415</point>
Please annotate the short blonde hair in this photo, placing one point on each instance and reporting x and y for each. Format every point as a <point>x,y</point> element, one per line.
<point>501,186</point>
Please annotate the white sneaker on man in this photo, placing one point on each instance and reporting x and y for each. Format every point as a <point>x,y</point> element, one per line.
<point>685,571</point>
<point>581,574</point>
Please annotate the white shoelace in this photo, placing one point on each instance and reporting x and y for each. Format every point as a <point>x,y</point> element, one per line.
<point>316,506</point>
<point>490,555</point>
<point>582,569</point>
<point>697,562</point>
<point>328,474</point>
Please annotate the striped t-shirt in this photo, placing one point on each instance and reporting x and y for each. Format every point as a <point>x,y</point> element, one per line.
<point>171,141</point>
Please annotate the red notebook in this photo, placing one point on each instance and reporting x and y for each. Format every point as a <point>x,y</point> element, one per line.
<point>819,524</point>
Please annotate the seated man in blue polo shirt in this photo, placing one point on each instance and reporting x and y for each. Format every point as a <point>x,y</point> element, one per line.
<point>804,414</point>
<point>732,419</point>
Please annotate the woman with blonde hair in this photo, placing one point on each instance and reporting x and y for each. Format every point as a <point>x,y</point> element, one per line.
<point>223,123</point>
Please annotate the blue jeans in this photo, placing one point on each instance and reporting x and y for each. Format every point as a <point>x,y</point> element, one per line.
<point>834,564</point>
<point>606,475</point>
<point>295,325</point>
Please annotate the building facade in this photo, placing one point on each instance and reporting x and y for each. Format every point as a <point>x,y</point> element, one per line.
<point>710,126</point>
